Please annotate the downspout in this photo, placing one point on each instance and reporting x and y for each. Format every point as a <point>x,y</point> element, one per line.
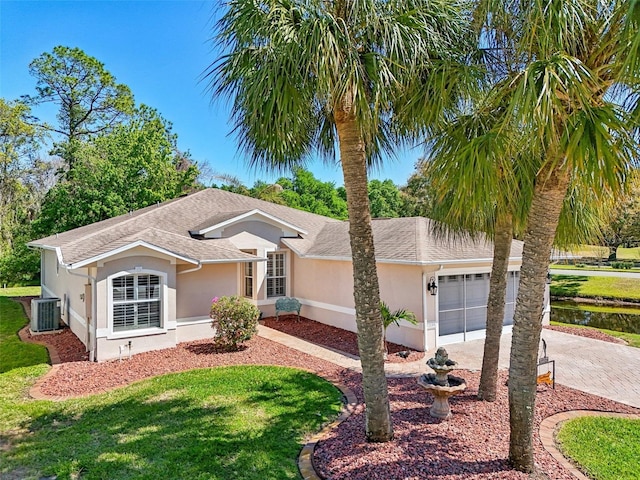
<point>94,310</point>
<point>191,269</point>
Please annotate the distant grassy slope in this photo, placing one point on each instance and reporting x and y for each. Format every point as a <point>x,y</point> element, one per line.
<point>594,251</point>
<point>20,292</point>
<point>615,288</point>
<point>604,268</point>
<point>632,339</point>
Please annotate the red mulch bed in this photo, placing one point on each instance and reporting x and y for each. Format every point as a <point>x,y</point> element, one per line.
<point>65,343</point>
<point>82,378</point>
<point>472,444</point>
<point>587,332</point>
<point>334,338</point>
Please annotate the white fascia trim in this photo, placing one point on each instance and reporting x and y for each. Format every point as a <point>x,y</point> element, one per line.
<point>445,262</point>
<point>462,270</point>
<point>124,248</point>
<point>327,257</point>
<point>234,260</point>
<point>468,260</point>
<point>53,249</point>
<point>404,262</point>
<point>242,216</point>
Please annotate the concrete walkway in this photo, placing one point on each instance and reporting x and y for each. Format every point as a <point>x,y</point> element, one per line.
<point>605,369</point>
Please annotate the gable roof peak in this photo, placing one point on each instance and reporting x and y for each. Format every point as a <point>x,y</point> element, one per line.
<point>226,219</point>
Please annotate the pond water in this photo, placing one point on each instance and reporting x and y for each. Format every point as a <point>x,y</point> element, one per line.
<point>568,312</point>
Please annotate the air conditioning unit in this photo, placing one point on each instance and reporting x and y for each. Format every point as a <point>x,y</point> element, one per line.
<point>45,314</point>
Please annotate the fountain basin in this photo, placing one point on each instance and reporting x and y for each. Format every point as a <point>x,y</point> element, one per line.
<point>441,393</point>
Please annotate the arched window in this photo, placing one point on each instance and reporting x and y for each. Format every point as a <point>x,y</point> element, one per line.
<point>137,302</point>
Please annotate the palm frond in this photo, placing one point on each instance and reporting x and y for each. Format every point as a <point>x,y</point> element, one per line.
<point>289,65</point>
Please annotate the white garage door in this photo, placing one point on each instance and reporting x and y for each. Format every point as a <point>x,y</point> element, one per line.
<point>462,306</point>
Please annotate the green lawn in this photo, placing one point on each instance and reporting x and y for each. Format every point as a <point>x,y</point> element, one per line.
<point>242,422</point>
<point>605,448</point>
<point>13,352</point>
<point>616,288</point>
<point>20,292</point>
<point>604,268</point>
<point>628,253</point>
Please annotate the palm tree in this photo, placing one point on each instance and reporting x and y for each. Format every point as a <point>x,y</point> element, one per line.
<point>482,184</point>
<point>393,318</point>
<point>365,76</point>
<point>573,57</point>
<point>479,189</point>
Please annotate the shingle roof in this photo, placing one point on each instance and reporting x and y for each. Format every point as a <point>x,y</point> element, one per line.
<point>405,240</point>
<point>166,226</point>
<point>177,245</point>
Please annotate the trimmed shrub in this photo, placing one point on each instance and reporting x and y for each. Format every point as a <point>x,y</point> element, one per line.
<point>622,265</point>
<point>235,320</point>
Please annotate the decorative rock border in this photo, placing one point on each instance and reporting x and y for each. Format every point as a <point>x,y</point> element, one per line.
<point>305,458</point>
<point>549,428</point>
<point>54,357</point>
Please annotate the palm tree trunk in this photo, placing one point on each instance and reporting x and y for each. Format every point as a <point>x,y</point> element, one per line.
<point>495,306</point>
<point>366,291</point>
<point>548,197</point>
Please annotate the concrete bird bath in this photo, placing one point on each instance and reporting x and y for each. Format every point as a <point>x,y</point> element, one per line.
<point>441,385</point>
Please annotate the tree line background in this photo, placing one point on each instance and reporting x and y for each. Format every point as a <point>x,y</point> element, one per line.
<point>108,156</point>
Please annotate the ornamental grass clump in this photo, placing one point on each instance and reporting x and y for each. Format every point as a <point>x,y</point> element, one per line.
<point>235,320</point>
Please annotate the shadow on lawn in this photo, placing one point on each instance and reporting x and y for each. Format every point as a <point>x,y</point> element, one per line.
<point>568,286</point>
<point>195,425</point>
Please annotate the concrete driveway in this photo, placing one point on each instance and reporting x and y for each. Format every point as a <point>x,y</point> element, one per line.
<point>605,369</point>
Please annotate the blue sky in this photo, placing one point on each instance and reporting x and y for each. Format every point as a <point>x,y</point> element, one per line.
<point>159,49</point>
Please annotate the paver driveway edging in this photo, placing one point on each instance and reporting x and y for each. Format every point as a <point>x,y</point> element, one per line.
<point>549,428</point>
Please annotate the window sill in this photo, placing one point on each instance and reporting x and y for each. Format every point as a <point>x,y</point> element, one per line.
<point>143,332</point>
